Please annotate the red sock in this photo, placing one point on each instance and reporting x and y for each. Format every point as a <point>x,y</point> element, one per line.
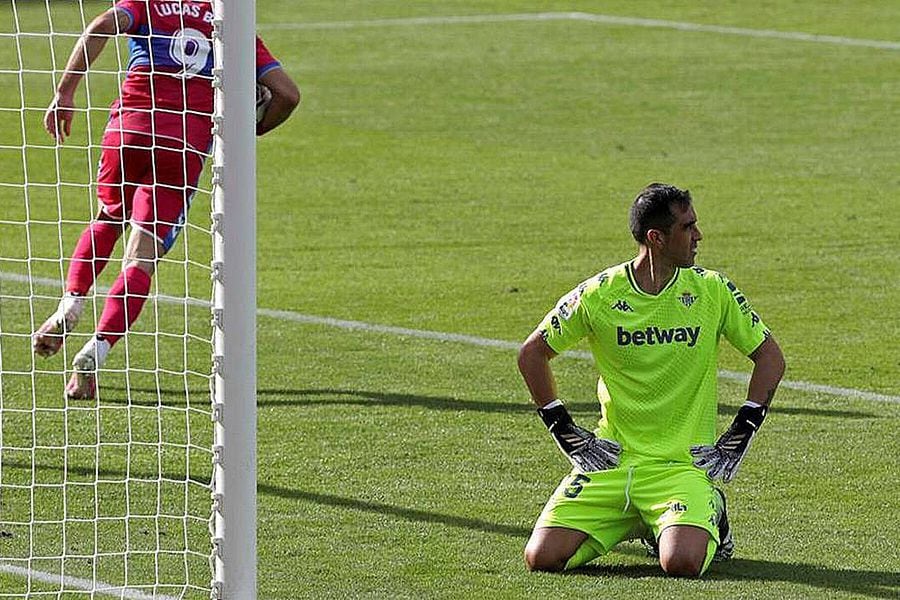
<point>91,255</point>
<point>123,304</point>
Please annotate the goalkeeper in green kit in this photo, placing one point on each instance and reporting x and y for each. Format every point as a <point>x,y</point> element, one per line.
<point>653,325</point>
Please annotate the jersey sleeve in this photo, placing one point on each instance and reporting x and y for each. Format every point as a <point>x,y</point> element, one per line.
<point>567,323</point>
<point>740,324</point>
<point>265,62</point>
<point>137,10</point>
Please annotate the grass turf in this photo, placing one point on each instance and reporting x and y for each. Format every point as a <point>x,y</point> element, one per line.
<point>459,178</point>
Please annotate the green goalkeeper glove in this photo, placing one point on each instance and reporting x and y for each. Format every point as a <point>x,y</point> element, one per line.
<point>585,451</point>
<point>724,458</point>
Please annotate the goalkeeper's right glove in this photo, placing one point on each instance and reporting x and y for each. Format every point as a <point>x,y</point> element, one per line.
<point>585,451</point>
<point>724,458</point>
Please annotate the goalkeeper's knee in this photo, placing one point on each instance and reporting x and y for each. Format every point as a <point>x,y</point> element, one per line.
<point>683,564</point>
<point>541,557</point>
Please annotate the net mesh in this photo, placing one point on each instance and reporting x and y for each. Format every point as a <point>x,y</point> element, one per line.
<point>110,496</point>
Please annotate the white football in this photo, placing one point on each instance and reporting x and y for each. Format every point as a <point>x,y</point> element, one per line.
<point>263,99</point>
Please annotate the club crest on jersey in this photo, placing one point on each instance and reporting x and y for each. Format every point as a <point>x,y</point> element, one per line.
<point>687,299</point>
<point>623,306</point>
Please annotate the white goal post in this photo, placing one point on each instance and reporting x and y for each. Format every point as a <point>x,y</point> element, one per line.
<point>148,490</point>
<point>234,249</point>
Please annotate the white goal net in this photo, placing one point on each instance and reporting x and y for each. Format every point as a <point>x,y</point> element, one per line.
<point>108,496</point>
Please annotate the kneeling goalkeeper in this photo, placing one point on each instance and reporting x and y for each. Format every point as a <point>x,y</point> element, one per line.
<point>653,325</point>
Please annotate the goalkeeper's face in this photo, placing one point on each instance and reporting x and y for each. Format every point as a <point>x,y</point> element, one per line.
<point>680,245</point>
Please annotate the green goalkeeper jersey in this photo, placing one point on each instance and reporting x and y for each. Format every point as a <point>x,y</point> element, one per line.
<point>656,354</point>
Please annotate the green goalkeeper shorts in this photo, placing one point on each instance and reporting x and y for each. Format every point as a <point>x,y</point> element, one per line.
<point>623,503</point>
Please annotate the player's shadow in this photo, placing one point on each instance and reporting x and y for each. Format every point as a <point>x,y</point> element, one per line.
<point>274,397</point>
<point>875,584</point>
<point>305,397</point>
<point>401,512</point>
<point>267,489</point>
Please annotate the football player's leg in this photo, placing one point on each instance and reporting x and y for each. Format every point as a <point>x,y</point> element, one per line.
<point>553,548</point>
<point>123,304</point>
<point>92,253</point>
<point>154,217</point>
<point>685,550</point>
<point>681,506</point>
<point>119,165</point>
<point>93,249</point>
<point>585,517</point>
<point>159,210</point>
<point>725,549</point>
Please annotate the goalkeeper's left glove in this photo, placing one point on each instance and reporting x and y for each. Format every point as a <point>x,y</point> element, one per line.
<point>724,458</point>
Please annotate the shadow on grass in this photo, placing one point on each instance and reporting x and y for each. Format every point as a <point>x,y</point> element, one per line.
<point>408,514</point>
<point>363,398</point>
<point>875,584</point>
<point>345,397</point>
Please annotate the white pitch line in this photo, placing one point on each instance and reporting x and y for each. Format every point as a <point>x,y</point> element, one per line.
<point>794,36</point>
<point>69,583</point>
<point>472,340</point>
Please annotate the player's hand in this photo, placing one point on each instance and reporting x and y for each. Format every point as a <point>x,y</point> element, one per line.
<point>724,458</point>
<point>58,118</point>
<point>585,451</point>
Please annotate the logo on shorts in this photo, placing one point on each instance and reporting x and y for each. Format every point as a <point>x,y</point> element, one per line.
<point>675,508</point>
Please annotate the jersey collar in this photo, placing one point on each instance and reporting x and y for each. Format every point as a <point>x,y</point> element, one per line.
<point>629,271</point>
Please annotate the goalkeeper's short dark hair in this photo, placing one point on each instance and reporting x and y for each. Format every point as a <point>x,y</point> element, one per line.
<point>652,209</point>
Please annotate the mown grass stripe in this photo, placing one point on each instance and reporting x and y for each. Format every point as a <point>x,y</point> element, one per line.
<point>794,36</point>
<point>349,325</point>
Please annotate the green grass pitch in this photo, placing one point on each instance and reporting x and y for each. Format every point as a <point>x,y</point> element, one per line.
<point>458,177</point>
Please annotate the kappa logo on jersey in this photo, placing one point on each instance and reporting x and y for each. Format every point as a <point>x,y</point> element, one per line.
<point>652,336</point>
<point>687,299</point>
<point>622,306</point>
<point>554,322</point>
